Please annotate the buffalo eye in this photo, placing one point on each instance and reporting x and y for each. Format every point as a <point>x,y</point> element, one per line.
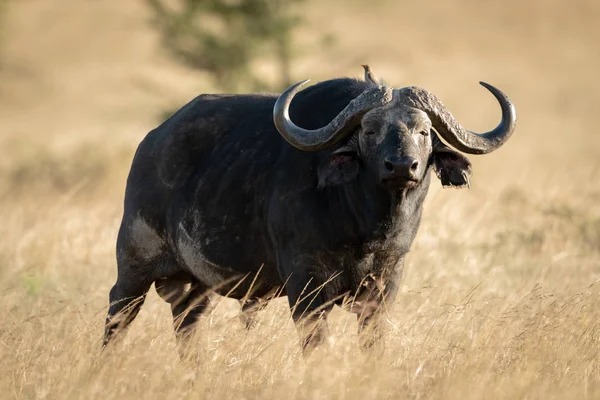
<point>424,132</point>
<point>369,132</point>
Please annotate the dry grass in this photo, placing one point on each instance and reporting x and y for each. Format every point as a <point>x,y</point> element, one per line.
<point>501,297</point>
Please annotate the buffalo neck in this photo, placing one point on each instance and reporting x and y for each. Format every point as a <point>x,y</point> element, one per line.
<point>380,213</point>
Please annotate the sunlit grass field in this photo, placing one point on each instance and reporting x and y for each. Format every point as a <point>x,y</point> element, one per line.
<point>501,292</point>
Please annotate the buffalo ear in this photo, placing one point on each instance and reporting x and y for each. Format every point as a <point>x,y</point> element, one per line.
<point>339,167</point>
<point>452,168</point>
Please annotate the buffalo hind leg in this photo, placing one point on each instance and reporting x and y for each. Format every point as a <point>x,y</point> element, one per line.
<point>126,299</point>
<point>187,305</point>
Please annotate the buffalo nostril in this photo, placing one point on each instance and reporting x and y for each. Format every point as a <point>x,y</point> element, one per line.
<point>414,166</point>
<point>389,165</point>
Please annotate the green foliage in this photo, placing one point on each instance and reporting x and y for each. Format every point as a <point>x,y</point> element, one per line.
<point>32,283</point>
<point>224,37</point>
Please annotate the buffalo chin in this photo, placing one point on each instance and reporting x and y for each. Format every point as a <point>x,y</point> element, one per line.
<point>396,184</point>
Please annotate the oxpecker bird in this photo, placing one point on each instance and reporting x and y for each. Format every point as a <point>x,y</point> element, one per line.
<point>369,75</point>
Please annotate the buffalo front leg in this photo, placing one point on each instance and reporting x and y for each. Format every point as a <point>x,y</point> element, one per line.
<point>369,330</point>
<point>309,311</point>
<point>375,298</point>
<point>250,308</point>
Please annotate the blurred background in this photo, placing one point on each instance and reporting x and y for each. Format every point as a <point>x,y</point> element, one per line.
<point>78,74</point>
<point>508,268</point>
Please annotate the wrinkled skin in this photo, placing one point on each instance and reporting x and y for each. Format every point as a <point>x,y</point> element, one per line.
<point>217,199</point>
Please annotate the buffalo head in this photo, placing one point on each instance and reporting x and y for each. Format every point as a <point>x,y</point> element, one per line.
<point>391,133</point>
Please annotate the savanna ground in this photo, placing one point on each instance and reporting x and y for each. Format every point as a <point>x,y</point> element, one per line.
<point>501,295</point>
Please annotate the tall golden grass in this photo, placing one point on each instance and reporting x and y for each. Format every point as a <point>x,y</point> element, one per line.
<point>501,294</point>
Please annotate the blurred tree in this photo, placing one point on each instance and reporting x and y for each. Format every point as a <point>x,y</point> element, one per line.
<point>224,37</point>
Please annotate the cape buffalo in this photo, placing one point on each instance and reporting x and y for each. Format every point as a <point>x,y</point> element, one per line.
<point>315,195</point>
